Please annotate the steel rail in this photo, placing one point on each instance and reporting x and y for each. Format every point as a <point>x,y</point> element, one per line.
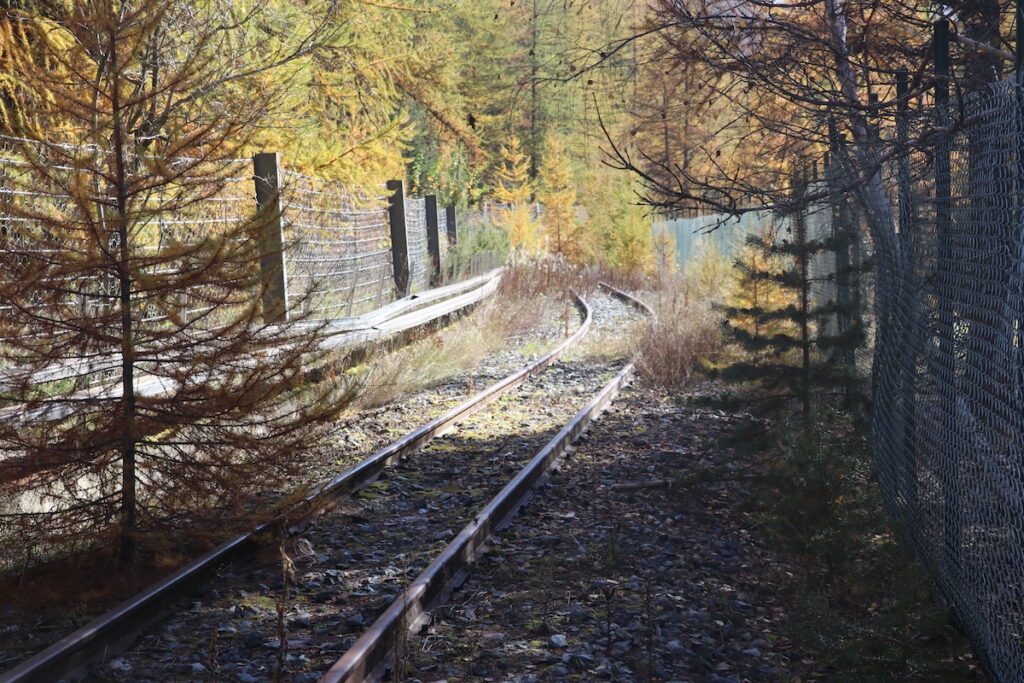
<point>115,631</point>
<point>369,658</point>
<point>412,314</point>
<point>335,333</point>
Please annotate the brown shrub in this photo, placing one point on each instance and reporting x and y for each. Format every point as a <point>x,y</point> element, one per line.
<point>551,276</point>
<point>685,334</point>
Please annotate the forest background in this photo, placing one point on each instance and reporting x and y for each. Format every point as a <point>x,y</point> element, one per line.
<point>466,99</point>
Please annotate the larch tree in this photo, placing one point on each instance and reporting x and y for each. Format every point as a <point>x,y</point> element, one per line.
<point>512,193</point>
<point>147,382</point>
<point>557,194</point>
<point>615,231</point>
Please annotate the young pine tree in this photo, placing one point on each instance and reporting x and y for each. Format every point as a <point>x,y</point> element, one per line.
<point>757,291</point>
<point>145,386</point>
<point>774,320</point>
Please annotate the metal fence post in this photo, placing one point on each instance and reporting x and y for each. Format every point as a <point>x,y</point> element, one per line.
<point>399,236</point>
<point>1019,91</point>
<point>903,163</point>
<point>946,272</point>
<point>452,226</point>
<point>433,238</point>
<point>907,215</point>
<point>842,236</point>
<point>272,266</point>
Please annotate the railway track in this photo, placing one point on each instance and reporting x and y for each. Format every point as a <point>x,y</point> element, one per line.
<point>375,561</point>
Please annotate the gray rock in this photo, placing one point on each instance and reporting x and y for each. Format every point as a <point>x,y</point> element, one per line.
<point>577,615</point>
<point>559,640</point>
<point>252,638</point>
<point>577,661</point>
<point>304,620</point>
<point>120,665</point>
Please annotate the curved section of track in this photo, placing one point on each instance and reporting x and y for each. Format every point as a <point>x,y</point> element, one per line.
<point>115,630</point>
<point>370,657</point>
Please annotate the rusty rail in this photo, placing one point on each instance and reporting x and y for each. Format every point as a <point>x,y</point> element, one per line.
<point>369,658</point>
<point>116,630</point>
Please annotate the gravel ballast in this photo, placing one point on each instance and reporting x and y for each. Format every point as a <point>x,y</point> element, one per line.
<point>357,435</point>
<point>609,575</point>
<point>352,562</point>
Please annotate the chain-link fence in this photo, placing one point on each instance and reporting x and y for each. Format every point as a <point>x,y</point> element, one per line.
<point>337,246</point>
<point>949,366</point>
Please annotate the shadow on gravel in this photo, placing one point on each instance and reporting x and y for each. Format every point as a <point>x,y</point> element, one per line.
<point>610,575</point>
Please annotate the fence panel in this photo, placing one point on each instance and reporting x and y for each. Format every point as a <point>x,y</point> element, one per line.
<point>416,228</point>
<point>949,372</point>
<point>336,245</point>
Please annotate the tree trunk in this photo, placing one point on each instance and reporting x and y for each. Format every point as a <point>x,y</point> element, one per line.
<point>805,332</point>
<point>129,498</point>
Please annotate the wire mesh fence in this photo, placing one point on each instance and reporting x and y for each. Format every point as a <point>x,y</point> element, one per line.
<point>175,232</point>
<point>843,274</point>
<point>337,246</point>
<point>59,244</point>
<point>719,235</point>
<point>22,234</point>
<point>444,244</point>
<point>416,231</point>
<point>194,243</point>
<point>948,372</point>
<point>336,256</point>
<point>483,239</point>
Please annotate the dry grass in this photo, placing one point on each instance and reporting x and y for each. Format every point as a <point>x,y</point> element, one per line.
<point>687,331</point>
<point>552,277</point>
<point>686,334</point>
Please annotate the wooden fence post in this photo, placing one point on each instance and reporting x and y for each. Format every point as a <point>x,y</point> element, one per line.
<point>451,226</point>
<point>399,236</point>
<point>433,238</point>
<point>272,266</point>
